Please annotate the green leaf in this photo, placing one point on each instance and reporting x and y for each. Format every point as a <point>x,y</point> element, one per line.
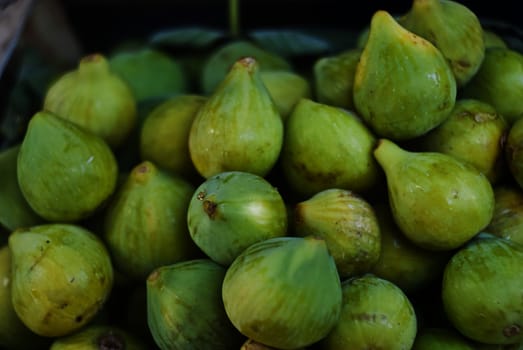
<point>187,37</point>
<point>290,42</point>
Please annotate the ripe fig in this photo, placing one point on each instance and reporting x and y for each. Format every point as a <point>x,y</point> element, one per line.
<point>493,312</point>
<point>438,201</point>
<point>438,338</point>
<point>95,98</point>
<point>239,127</point>
<point>507,221</point>
<point>283,292</point>
<point>76,170</point>
<point>403,85</point>
<point>375,314</point>
<point>185,309</point>
<point>231,211</point>
<point>348,225</point>
<point>61,277</point>
<point>454,29</point>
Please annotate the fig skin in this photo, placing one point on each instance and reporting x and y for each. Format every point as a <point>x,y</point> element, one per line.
<point>438,338</point>
<point>507,221</point>
<point>481,290</point>
<point>77,170</point>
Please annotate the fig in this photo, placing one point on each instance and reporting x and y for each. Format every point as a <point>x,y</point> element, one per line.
<point>348,225</point>
<point>239,127</point>
<point>481,290</point>
<point>403,86</point>
<point>164,134</point>
<point>95,98</point>
<point>149,72</point>
<point>454,29</point>
<point>185,309</point>
<point>15,212</point>
<point>474,132</point>
<point>499,82</point>
<point>99,337</point>
<point>375,314</point>
<point>145,223</point>
<point>76,169</point>
<point>438,338</point>
<point>513,155</point>
<point>250,344</point>
<point>493,39</point>
<point>283,292</point>
<point>437,201</point>
<point>232,210</point>
<point>327,147</point>
<point>219,62</point>
<point>334,78</point>
<point>507,221</point>
<point>62,275</point>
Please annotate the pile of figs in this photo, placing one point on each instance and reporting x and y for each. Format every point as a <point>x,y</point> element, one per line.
<point>374,201</point>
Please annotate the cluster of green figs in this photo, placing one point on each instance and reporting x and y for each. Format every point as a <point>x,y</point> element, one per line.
<point>375,203</point>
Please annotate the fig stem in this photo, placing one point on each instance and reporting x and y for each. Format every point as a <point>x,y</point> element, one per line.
<point>234,18</point>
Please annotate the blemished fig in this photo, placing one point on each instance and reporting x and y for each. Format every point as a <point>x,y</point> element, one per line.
<point>283,292</point>
<point>454,29</point>
<point>513,151</point>
<point>185,308</point>
<point>403,85</point>
<point>439,338</point>
<point>145,224</point>
<point>499,82</point>
<point>164,134</point>
<point>347,223</point>
<point>507,221</point>
<point>438,201</point>
<point>493,312</point>
<point>375,314</point>
<point>99,337</point>
<point>149,72</point>
<point>334,78</point>
<point>239,127</point>
<point>76,169</point>
<point>62,275</point>
<point>327,147</point>
<point>219,62</point>
<point>474,132</point>
<point>231,211</point>
<point>95,98</point>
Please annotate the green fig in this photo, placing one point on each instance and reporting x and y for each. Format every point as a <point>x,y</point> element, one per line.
<point>99,337</point>
<point>164,134</point>
<point>474,132</point>
<point>149,72</point>
<point>327,147</point>
<point>438,201</point>
<point>348,225</point>
<point>250,344</point>
<point>454,29</point>
<point>507,221</point>
<point>15,212</point>
<point>185,308</point>
<point>334,78</point>
<point>438,338</point>
<point>283,292</point>
<point>231,211</point>
<point>375,314</point>
<point>403,85</point>
<point>493,39</point>
<point>481,290</point>
<point>62,275</point>
<point>65,172</point>
<point>499,82</point>
<point>513,151</point>
<point>218,63</point>
<point>95,98</point>
<point>239,127</point>
<point>145,223</point>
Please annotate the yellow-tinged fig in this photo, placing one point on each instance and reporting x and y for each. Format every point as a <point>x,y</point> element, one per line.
<point>403,85</point>
<point>438,201</point>
<point>62,276</point>
<point>239,127</point>
<point>65,172</point>
<point>95,98</point>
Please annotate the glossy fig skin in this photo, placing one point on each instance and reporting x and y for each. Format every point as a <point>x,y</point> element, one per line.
<point>473,300</point>
<point>403,85</point>
<point>507,221</point>
<point>300,272</point>
<point>62,276</point>
<point>239,127</point>
<point>77,171</point>
<point>438,201</point>
<point>95,98</point>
